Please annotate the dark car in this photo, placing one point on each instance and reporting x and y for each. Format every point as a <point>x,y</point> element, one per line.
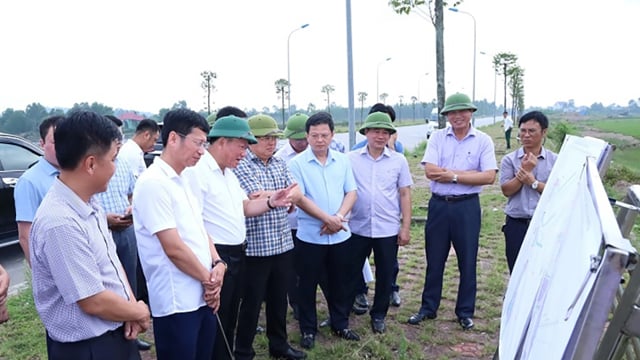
<point>16,156</point>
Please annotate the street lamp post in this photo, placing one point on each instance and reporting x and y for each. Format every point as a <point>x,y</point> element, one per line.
<point>378,78</point>
<point>473,91</point>
<point>289,69</point>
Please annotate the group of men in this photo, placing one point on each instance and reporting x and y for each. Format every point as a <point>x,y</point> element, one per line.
<point>221,223</point>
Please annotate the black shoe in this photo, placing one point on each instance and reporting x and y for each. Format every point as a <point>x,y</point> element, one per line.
<point>326,322</point>
<point>259,329</point>
<point>143,345</point>
<point>361,301</point>
<point>395,299</point>
<point>290,354</point>
<point>358,310</point>
<point>465,322</point>
<point>308,341</point>
<point>347,334</point>
<point>416,319</point>
<point>378,326</point>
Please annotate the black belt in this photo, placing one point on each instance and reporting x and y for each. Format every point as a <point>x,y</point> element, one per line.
<point>455,198</point>
<point>521,220</point>
<point>230,248</point>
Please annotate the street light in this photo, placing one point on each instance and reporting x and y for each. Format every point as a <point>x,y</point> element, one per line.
<point>378,78</point>
<point>473,93</point>
<point>289,69</point>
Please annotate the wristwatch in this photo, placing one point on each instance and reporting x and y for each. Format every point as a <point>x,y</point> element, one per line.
<point>534,185</point>
<point>219,261</point>
<point>455,179</point>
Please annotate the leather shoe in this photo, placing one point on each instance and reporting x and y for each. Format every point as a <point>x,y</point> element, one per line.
<point>326,322</point>
<point>416,319</point>
<point>395,299</point>
<point>347,334</point>
<point>378,326</point>
<point>361,301</point>
<point>358,310</point>
<point>465,322</point>
<point>290,354</point>
<point>308,341</point>
<point>143,345</point>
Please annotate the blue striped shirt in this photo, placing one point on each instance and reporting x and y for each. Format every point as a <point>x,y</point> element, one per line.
<point>268,234</point>
<point>116,199</point>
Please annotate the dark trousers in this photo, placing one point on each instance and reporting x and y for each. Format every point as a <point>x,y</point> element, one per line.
<point>108,346</point>
<point>292,287</point>
<point>185,336</point>
<point>127,250</point>
<point>234,256</point>
<point>312,262</point>
<point>385,252</point>
<point>457,223</point>
<point>266,279</point>
<point>507,136</point>
<point>361,285</point>
<point>514,231</point>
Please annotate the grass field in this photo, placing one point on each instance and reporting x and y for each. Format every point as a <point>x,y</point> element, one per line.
<point>23,336</point>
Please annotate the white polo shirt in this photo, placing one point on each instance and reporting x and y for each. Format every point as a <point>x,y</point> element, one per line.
<point>131,152</point>
<point>221,198</point>
<point>161,201</point>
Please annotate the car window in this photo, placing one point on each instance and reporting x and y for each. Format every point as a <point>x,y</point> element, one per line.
<point>16,157</point>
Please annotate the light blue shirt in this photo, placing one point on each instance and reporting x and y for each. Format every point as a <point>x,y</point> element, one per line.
<point>474,152</point>
<point>325,185</point>
<point>376,212</point>
<point>31,188</point>
<point>116,199</point>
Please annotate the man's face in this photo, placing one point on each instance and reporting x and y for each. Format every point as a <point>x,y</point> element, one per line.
<point>105,167</point>
<point>265,147</point>
<point>531,134</point>
<point>234,150</point>
<point>319,137</point>
<point>298,145</point>
<point>377,139</point>
<point>49,147</point>
<point>459,119</point>
<point>150,139</point>
<point>191,146</point>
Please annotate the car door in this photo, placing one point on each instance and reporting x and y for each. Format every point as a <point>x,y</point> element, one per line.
<point>15,159</point>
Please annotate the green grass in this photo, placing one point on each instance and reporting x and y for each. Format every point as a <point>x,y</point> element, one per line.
<point>629,127</point>
<point>23,336</point>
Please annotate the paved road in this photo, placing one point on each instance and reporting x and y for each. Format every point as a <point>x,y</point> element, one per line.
<point>13,260</point>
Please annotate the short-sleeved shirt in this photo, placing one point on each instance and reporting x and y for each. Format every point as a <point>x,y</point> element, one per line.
<point>325,185</point>
<point>287,153</point>
<point>267,234</point>
<point>73,257</point>
<point>116,199</point>
<point>363,143</point>
<point>376,212</point>
<point>523,203</point>
<point>31,188</point>
<point>508,123</point>
<point>221,198</point>
<point>131,152</point>
<point>162,200</point>
<point>474,152</point>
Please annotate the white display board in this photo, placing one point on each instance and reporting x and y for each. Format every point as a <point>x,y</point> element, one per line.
<point>553,275</point>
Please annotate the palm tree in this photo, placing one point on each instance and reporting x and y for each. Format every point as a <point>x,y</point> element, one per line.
<point>328,89</point>
<point>207,85</point>
<point>362,96</point>
<point>281,88</point>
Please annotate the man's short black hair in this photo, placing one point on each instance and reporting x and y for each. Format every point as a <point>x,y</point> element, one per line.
<point>387,109</point>
<point>46,124</point>
<point>82,133</point>
<point>147,125</point>
<point>319,118</point>
<point>537,116</point>
<point>230,110</point>
<point>182,121</point>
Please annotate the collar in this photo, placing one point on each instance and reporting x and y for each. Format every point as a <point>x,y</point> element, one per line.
<point>310,156</point>
<point>83,209</point>
<point>471,132</point>
<point>48,167</point>
<point>542,155</point>
<point>254,158</point>
<point>166,168</point>
<point>365,151</point>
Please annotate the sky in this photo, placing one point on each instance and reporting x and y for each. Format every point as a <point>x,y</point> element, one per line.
<point>146,55</point>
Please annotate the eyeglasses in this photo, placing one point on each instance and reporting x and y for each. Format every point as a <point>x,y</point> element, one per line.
<point>200,143</point>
